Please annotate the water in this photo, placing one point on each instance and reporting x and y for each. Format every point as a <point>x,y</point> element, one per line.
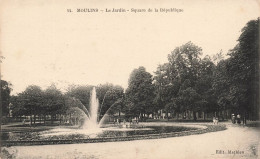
<point>91,122</point>
<point>91,127</point>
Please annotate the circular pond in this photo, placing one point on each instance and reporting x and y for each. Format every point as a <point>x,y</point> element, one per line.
<point>110,133</point>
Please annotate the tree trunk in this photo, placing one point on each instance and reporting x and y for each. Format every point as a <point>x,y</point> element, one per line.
<point>34,119</point>
<point>65,118</point>
<point>70,119</point>
<point>194,116</point>
<point>40,118</point>
<point>60,118</point>
<point>31,119</point>
<point>204,116</point>
<point>51,119</point>
<point>244,118</point>
<point>44,119</point>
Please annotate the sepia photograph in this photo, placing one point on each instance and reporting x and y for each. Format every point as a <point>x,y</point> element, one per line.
<point>129,79</point>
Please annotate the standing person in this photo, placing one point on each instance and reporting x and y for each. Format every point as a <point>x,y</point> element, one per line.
<point>135,120</point>
<point>216,120</point>
<point>130,121</point>
<point>23,121</point>
<point>233,118</point>
<point>238,119</point>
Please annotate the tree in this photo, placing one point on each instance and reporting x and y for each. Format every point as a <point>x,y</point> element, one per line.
<point>80,92</point>
<point>204,86</point>
<point>32,100</point>
<point>17,106</point>
<point>243,71</point>
<point>221,87</point>
<point>75,109</point>
<point>184,64</point>
<point>54,102</point>
<point>166,88</point>
<point>5,96</point>
<point>140,92</point>
<point>216,58</point>
<point>190,99</point>
<point>111,99</point>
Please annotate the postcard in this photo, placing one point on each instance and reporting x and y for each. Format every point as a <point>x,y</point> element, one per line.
<point>129,79</point>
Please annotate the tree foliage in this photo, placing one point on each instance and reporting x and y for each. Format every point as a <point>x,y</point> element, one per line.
<point>187,82</point>
<point>6,89</point>
<point>243,69</point>
<point>140,92</point>
<point>111,98</point>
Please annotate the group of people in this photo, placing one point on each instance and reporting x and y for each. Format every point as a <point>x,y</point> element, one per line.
<point>130,120</point>
<point>236,119</point>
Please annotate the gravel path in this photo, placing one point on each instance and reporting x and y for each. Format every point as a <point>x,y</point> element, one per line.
<point>241,140</point>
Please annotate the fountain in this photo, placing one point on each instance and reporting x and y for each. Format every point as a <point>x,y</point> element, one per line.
<point>95,129</point>
<point>91,122</point>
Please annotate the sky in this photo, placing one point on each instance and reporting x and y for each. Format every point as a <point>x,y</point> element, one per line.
<point>42,43</point>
